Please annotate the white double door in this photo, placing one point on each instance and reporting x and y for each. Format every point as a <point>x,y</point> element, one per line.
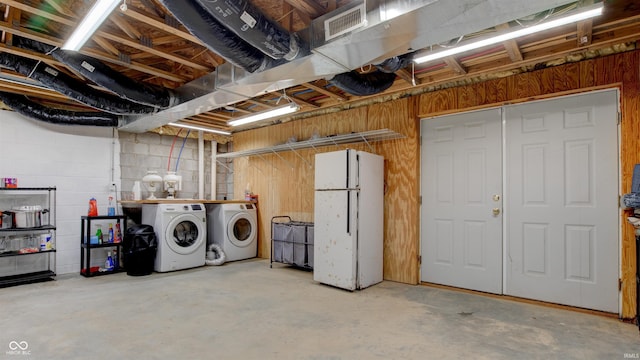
<point>523,200</point>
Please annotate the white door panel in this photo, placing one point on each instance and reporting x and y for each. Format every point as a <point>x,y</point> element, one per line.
<point>562,210</point>
<point>461,237</point>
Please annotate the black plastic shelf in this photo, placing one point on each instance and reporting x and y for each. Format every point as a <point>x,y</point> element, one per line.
<point>100,273</point>
<point>104,217</point>
<point>26,278</point>
<point>103,245</point>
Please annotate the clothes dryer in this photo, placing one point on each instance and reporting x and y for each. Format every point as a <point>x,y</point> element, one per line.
<point>234,227</point>
<point>181,230</point>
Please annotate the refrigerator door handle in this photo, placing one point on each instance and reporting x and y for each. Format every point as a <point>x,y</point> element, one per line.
<point>348,212</point>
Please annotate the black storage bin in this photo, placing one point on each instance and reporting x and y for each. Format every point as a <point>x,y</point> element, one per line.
<point>139,250</point>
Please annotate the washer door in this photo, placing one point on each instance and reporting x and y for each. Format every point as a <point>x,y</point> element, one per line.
<point>241,229</point>
<point>185,233</point>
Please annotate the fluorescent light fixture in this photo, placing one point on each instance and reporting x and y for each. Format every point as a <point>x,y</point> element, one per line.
<point>591,12</point>
<point>90,23</point>
<point>277,111</point>
<point>193,127</point>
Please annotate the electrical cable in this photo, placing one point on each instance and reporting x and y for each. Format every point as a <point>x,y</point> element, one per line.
<point>171,151</point>
<point>182,147</point>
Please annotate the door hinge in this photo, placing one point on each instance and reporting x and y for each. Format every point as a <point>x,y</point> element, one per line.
<point>619,284</point>
<point>420,140</point>
<point>619,118</point>
<point>420,259</point>
<point>420,200</point>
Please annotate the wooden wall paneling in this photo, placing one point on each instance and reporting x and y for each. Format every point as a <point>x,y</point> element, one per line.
<point>523,85</point>
<point>401,218</point>
<point>481,93</point>
<point>572,76</point>
<point>491,88</point>
<point>466,96</point>
<point>631,72</point>
<point>560,82</point>
<point>630,139</point>
<point>547,81</point>
<point>438,101</point>
<point>587,73</point>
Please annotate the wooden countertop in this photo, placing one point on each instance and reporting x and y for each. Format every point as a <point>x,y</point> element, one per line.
<point>133,203</point>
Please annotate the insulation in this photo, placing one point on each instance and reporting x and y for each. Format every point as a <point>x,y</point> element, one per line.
<point>251,25</point>
<point>103,75</point>
<point>363,84</point>
<point>28,108</point>
<point>71,87</point>
<point>217,37</point>
<point>395,63</point>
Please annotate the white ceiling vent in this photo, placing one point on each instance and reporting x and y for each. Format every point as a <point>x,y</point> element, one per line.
<point>344,22</point>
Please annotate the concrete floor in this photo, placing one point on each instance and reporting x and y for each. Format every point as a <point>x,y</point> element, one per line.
<point>245,310</point>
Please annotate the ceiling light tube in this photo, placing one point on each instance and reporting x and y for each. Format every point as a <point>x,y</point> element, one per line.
<point>90,23</point>
<point>193,127</point>
<point>591,12</point>
<point>277,111</point>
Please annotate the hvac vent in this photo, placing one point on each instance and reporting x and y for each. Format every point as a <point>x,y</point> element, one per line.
<point>344,22</point>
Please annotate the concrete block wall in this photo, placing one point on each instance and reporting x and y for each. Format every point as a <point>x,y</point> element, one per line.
<point>150,151</point>
<point>80,161</point>
<point>224,174</point>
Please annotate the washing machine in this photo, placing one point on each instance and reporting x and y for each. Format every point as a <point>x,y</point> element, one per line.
<point>234,227</point>
<point>182,234</point>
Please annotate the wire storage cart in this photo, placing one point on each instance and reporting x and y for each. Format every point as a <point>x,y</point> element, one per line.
<point>291,242</point>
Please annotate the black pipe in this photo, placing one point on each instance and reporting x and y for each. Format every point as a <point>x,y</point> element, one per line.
<point>217,37</point>
<point>395,63</point>
<point>103,75</point>
<point>28,108</point>
<point>71,87</point>
<point>251,25</point>
<point>363,84</point>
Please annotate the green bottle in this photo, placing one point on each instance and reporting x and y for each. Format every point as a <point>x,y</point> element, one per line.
<point>99,234</point>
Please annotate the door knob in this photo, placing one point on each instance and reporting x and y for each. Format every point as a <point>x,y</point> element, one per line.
<point>496,197</point>
<point>496,211</point>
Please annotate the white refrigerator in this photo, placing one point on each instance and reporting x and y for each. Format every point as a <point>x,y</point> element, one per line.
<point>348,219</point>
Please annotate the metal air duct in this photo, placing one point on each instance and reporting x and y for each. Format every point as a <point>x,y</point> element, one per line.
<point>376,30</point>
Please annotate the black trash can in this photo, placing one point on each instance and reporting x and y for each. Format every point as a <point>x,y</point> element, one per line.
<point>139,250</point>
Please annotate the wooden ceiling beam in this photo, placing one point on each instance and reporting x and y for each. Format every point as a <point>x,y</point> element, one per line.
<point>408,77</point>
<point>151,50</point>
<point>584,32</point>
<point>324,91</point>
<point>4,26</point>
<point>57,6</point>
<point>308,7</point>
<point>301,101</point>
<point>159,23</point>
<point>12,16</point>
<point>26,89</point>
<point>455,65</point>
<point>511,46</point>
<point>126,27</point>
<point>106,45</point>
<point>258,102</point>
<point>287,16</point>
<point>107,35</point>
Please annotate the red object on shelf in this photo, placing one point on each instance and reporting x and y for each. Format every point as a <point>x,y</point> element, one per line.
<point>93,207</point>
<point>93,269</point>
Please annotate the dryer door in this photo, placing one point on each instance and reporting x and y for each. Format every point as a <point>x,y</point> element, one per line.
<point>185,233</point>
<point>241,229</point>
